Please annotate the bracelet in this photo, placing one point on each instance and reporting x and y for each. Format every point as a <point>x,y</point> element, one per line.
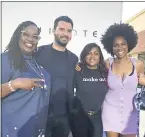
<point>10,86</point>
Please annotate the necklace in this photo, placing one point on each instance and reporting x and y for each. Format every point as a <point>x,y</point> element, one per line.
<point>41,75</point>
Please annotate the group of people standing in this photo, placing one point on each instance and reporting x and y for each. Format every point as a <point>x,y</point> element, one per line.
<point>38,84</point>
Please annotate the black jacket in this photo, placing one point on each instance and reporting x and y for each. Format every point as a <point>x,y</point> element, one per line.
<point>43,56</point>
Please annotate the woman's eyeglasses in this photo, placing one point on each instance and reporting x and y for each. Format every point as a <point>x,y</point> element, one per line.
<point>26,35</point>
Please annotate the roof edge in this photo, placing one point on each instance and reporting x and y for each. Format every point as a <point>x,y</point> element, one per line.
<point>135,16</point>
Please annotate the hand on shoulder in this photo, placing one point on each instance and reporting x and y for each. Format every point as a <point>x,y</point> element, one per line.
<point>78,67</point>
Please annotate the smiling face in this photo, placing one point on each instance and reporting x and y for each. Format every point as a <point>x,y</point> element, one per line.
<point>93,58</point>
<point>29,39</point>
<point>120,47</point>
<point>63,33</point>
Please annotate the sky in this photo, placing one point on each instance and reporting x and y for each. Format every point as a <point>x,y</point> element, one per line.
<point>131,8</point>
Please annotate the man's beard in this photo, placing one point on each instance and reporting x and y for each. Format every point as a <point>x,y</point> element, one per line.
<point>59,42</point>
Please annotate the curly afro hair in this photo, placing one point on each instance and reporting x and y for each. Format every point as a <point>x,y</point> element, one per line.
<point>122,29</point>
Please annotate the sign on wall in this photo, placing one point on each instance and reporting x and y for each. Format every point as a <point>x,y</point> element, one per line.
<point>90,20</point>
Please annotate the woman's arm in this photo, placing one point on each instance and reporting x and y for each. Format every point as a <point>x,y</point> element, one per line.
<point>19,83</point>
<point>107,63</point>
<point>142,80</point>
<point>5,90</point>
<point>7,84</point>
<point>140,71</point>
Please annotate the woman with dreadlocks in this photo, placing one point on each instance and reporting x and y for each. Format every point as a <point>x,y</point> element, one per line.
<point>119,114</point>
<point>25,86</point>
<point>91,88</point>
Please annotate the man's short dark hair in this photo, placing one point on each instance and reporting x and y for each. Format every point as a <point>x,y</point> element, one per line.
<point>63,18</point>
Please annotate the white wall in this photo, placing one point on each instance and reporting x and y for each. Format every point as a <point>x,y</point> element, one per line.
<point>90,16</point>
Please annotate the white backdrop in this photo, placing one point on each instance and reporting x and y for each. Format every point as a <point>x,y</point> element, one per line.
<point>87,17</point>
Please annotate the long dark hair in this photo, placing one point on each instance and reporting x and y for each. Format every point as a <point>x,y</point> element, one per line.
<point>101,66</point>
<point>13,49</point>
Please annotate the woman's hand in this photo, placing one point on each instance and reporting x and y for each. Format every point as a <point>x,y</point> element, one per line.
<point>141,79</point>
<point>78,68</point>
<point>26,83</point>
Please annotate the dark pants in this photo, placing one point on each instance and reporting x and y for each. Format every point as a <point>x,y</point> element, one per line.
<point>97,123</point>
<point>57,126</point>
